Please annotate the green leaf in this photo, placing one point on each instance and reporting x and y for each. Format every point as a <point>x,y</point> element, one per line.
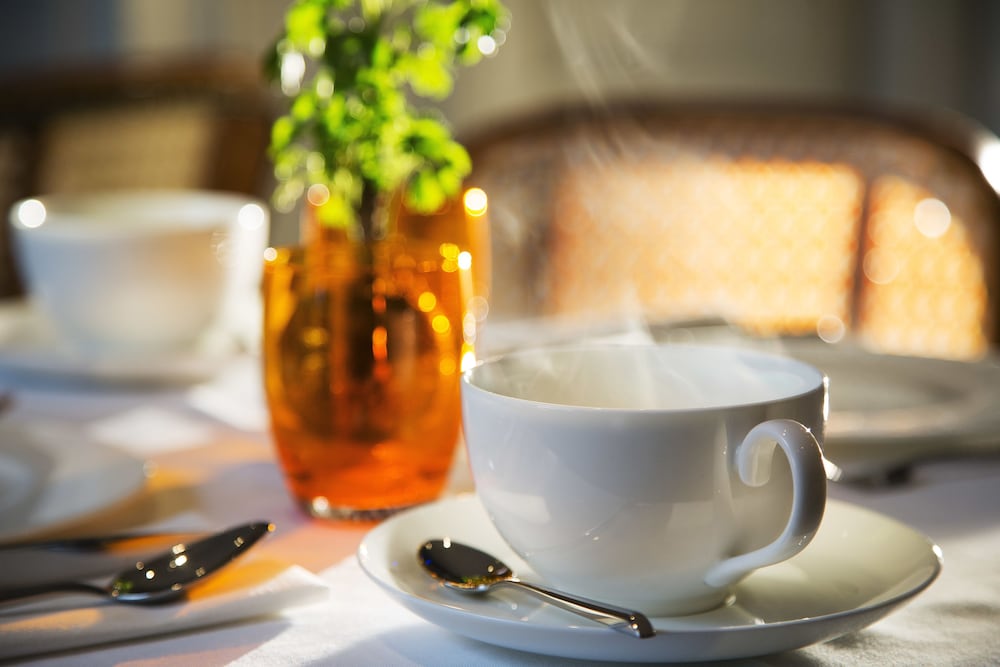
<point>333,114</point>
<point>272,63</point>
<point>450,180</point>
<point>372,10</point>
<point>427,74</point>
<point>438,23</point>
<point>282,132</point>
<point>337,211</point>
<point>425,194</point>
<point>455,154</point>
<point>428,129</point>
<point>383,55</point>
<point>304,22</point>
<point>304,107</point>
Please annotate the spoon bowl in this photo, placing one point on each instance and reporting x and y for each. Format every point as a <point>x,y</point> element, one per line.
<point>467,569</point>
<point>164,577</point>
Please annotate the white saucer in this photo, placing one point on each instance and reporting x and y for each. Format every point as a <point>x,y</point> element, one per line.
<point>28,346</point>
<point>46,484</point>
<point>860,566</point>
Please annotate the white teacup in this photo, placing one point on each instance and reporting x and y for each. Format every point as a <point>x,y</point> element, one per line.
<point>643,475</point>
<point>140,271</point>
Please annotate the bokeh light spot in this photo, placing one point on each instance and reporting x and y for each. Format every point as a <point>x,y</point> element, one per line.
<point>932,218</point>
<point>251,216</point>
<point>476,202</point>
<point>31,213</point>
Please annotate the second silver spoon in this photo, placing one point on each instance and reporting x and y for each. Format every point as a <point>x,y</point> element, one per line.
<point>163,577</point>
<point>464,568</point>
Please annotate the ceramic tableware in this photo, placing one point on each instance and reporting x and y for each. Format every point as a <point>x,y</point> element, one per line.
<point>644,475</point>
<point>140,271</point>
<point>860,567</point>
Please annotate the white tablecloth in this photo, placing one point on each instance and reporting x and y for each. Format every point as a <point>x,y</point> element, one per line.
<point>213,465</point>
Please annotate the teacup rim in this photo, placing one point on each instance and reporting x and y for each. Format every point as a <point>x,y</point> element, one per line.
<point>821,383</point>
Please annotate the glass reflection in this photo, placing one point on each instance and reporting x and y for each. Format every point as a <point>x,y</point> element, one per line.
<point>251,216</point>
<point>31,213</point>
<point>475,202</point>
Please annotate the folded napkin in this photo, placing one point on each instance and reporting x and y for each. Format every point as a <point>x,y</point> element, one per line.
<point>247,589</point>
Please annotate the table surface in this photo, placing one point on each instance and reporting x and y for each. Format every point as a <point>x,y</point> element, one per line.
<point>212,459</point>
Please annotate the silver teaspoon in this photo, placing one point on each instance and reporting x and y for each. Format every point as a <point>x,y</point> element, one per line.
<point>464,568</point>
<point>163,577</point>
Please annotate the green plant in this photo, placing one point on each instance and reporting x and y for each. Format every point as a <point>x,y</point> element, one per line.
<point>354,70</point>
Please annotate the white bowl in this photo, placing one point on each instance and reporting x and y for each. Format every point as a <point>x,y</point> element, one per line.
<point>139,271</point>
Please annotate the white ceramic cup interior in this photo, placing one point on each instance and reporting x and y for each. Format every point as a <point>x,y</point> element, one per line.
<point>644,475</point>
<point>141,271</point>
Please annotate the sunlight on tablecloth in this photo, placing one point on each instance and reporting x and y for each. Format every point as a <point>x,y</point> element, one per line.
<point>946,624</point>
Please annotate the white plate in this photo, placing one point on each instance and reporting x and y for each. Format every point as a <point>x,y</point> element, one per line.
<point>46,484</point>
<point>859,567</point>
<point>28,346</point>
<point>887,409</point>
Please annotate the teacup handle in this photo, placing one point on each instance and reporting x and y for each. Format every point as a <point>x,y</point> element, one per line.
<point>753,457</point>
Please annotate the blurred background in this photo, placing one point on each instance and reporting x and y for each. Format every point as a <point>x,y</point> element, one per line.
<point>940,54</point>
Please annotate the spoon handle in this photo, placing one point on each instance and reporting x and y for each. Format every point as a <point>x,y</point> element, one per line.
<point>630,622</point>
<point>10,594</point>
